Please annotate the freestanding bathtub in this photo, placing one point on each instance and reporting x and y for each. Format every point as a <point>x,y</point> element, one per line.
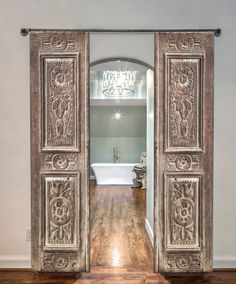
<point>113,173</point>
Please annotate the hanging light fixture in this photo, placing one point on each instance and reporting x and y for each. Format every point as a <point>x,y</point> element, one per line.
<point>118,83</point>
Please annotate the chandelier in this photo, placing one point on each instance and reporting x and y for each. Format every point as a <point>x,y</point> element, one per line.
<point>118,83</point>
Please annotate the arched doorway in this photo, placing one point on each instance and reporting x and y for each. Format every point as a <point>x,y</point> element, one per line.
<point>121,120</point>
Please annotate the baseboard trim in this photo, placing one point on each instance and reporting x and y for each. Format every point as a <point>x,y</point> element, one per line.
<point>219,262</point>
<point>15,261</point>
<point>224,262</point>
<point>149,231</point>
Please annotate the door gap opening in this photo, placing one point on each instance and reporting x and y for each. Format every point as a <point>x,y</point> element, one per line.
<point>121,189</point>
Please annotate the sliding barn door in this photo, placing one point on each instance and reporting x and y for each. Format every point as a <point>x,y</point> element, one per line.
<point>183,152</point>
<point>59,150</point>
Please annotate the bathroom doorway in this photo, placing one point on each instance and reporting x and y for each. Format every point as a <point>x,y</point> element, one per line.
<point>121,164</point>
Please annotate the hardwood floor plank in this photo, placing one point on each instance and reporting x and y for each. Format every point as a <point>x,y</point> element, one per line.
<point>118,236</point>
<point>113,275</point>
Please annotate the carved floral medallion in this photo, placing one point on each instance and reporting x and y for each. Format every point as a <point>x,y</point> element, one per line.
<point>183,212</point>
<point>60,103</point>
<point>60,261</point>
<point>60,211</point>
<point>59,42</point>
<point>183,162</point>
<point>183,262</point>
<point>184,43</point>
<point>184,99</point>
<point>59,161</point>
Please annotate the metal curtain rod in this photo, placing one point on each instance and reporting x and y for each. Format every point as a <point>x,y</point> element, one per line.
<point>217,32</point>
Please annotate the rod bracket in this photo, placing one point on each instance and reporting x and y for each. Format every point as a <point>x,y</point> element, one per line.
<point>217,32</point>
<point>24,32</point>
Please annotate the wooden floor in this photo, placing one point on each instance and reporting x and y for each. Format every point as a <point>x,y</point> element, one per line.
<point>120,250</point>
<point>118,236</point>
<point>115,277</point>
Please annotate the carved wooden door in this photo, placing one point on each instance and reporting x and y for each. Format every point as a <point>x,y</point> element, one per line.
<point>184,152</point>
<point>59,150</point>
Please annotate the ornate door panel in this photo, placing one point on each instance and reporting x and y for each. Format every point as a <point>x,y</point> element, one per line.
<point>184,152</point>
<point>59,150</point>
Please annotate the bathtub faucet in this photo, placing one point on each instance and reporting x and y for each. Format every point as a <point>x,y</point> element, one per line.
<point>116,155</point>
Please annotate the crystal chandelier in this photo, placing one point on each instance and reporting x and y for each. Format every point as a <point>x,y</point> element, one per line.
<point>118,83</point>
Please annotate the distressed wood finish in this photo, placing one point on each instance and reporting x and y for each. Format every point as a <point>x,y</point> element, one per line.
<point>59,151</point>
<point>183,152</point>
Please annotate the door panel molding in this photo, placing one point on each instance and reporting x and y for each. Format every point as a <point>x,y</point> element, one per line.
<point>183,152</point>
<point>59,150</point>
<point>61,110</point>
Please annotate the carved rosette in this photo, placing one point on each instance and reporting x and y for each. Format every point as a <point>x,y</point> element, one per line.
<point>183,262</point>
<point>59,161</point>
<point>186,43</point>
<point>183,162</point>
<point>60,211</point>
<point>184,98</point>
<point>60,261</point>
<point>59,42</point>
<point>182,215</point>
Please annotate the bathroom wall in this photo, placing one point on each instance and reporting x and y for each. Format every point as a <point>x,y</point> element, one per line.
<point>128,133</point>
<point>150,154</point>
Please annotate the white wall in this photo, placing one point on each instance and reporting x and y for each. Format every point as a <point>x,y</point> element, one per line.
<point>14,94</point>
<point>149,223</point>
